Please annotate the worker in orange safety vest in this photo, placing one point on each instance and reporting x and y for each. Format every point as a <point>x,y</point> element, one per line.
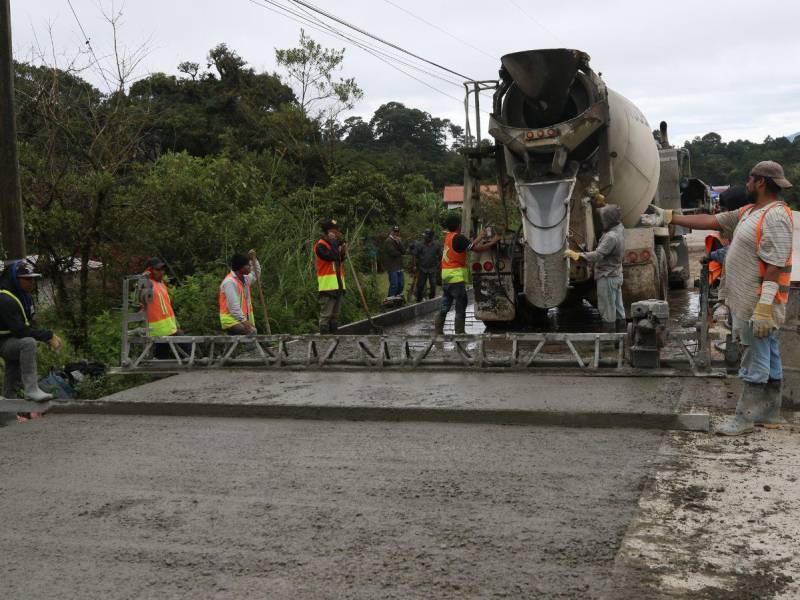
<point>329,254</point>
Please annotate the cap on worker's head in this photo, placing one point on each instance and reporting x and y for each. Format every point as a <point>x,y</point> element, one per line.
<point>395,227</point>
<point>238,261</point>
<point>428,233</point>
<point>25,269</point>
<point>328,225</point>
<point>771,169</point>
<point>154,263</point>
<point>452,222</point>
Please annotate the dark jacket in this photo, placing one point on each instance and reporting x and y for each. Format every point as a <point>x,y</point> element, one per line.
<point>12,319</point>
<point>393,251</point>
<point>429,256</point>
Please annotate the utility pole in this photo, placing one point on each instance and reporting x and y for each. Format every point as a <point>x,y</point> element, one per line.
<point>12,229</point>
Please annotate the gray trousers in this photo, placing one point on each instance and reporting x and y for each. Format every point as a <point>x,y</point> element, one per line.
<point>329,308</point>
<point>609,299</point>
<point>19,355</point>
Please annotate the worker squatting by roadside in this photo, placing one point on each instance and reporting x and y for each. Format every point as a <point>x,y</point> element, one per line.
<point>758,269</point>
<point>19,334</point>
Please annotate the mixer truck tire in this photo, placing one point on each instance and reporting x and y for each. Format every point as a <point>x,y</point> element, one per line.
<point>662,273</point>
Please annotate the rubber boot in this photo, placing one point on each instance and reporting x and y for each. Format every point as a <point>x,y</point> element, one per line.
<point>324,329</point>
<point>458,325</point>
<point>438,324</point>
<point>751,403</point>
<point>334,327</point>
<point>621,326</point>
<point>771,407</point>
<point>30,379</point>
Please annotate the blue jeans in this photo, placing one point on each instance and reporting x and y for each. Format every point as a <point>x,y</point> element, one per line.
<point>397,282</point>
<point>454,293</point>
<point>761,358</point>
<point>609,299</point>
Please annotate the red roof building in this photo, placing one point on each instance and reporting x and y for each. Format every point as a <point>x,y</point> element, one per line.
<point>453,196</point>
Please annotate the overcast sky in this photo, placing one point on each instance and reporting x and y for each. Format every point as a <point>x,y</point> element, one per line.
<point>725,66</point>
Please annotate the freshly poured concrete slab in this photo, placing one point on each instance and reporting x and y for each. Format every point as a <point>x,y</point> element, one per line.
<point>458,396</point>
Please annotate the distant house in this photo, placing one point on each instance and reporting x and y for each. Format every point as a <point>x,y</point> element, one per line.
<point>453,196</point>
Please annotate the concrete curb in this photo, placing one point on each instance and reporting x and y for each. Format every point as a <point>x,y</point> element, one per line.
<point>666,421</point>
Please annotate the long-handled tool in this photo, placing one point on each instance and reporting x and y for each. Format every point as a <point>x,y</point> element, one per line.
<point>263,303</point>
<point>373,328</point>
<point>412,290</point>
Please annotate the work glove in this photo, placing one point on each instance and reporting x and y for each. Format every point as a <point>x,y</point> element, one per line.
<point>55,342</point>
<point>571,254</point>
<point>660,217</point>
<point>762,320</point>
<point>600,200</point>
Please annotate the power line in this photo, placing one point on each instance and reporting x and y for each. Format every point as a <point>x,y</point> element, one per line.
<point>315,23</point>
<point>444,31</point>
<point>370,51</point>
<point>537,21</point>
<point>89,44</point>
<point>378,39</point>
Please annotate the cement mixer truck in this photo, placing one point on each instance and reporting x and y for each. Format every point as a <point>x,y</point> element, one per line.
<point>564,142</point>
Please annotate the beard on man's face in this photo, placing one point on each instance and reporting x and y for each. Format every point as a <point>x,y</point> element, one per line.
<point>752,195</point>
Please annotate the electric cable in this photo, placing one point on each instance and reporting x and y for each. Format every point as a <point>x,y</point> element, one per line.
<point>376,38</point>
<point>536,21</point>
<point>438,28</point>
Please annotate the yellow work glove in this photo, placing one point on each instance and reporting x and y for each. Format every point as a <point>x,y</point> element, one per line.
<point>762,320</point>
<point>600,200</point>
<point>571,254</point>
<point>659,217</point>
<point>55,342</point>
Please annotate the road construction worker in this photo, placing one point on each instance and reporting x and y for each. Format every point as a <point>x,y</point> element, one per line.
<point>428,263</point>
<point>236,314</point>
<point>607,261</point>
<point>393,251</point>
<point>454,271</point>
<point>18,332</point>
<point>329,255</point>
<point>161,321</point>
<point>758,269</point>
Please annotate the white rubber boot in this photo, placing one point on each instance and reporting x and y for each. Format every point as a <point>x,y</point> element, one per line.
<point>751,403</point>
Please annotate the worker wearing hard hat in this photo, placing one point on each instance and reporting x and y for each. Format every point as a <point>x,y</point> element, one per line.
<point>607,261</point>
<point>758,270</point>
<point>18,333</point>
<point>236,314</point>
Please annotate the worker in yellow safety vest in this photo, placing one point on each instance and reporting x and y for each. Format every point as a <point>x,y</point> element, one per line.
<point>329,254</point>
<point>236,314</point>
<point>161,321</point>
<point>454,271</point>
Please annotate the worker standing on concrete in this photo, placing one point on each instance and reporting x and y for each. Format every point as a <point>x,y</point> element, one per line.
<point>329,255</point>
<point>18,334</point>
<point>393,251</point>
<point>758,269</point>
<point>454,271</point>
<point>607,261</point>
<point>428,257</point>
<point>236,314</point>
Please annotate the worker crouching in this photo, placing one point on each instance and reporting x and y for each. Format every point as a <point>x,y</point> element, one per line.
<point>607,261</point>
<point>18,334</point>
<point>235,298</point>
<point>329,254</point>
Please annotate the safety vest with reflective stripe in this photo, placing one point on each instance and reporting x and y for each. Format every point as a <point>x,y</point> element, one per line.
<point>784,272</point>
<point>160,316</point>
<point>454,264</point>
<point>21,308</point>
<point>714,267</point>
<point>326,271</point>
<point>226,319</point>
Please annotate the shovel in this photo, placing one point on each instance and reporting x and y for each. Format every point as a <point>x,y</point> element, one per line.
<point>373,328</point>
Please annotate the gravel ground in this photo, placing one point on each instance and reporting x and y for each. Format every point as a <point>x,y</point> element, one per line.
<point>144,507</point>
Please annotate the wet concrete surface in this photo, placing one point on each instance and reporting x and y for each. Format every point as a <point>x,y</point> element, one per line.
<point>142,507</point>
